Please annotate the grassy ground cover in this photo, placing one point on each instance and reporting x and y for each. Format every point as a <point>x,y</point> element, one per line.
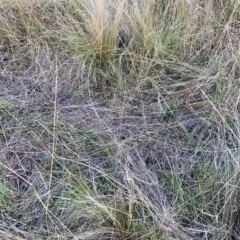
<point>119,119</point>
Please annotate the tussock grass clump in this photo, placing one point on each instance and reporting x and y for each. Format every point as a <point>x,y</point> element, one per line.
<point>91,28</point>
<point>119,119</point>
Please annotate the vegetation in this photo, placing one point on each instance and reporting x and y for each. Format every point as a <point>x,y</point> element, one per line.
<point>119,119</point>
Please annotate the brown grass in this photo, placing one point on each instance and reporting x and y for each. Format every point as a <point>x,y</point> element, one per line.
<point>119,119</point>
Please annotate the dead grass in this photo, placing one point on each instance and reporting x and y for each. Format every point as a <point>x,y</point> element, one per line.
<point>119,120</point>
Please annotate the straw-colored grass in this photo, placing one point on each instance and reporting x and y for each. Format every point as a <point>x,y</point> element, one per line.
<point>119,119</point>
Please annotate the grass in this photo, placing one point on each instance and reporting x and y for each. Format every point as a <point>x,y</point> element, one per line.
<point>119,120</point>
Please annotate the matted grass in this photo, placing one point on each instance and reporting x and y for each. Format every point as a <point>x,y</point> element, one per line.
<point>119,119</point>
